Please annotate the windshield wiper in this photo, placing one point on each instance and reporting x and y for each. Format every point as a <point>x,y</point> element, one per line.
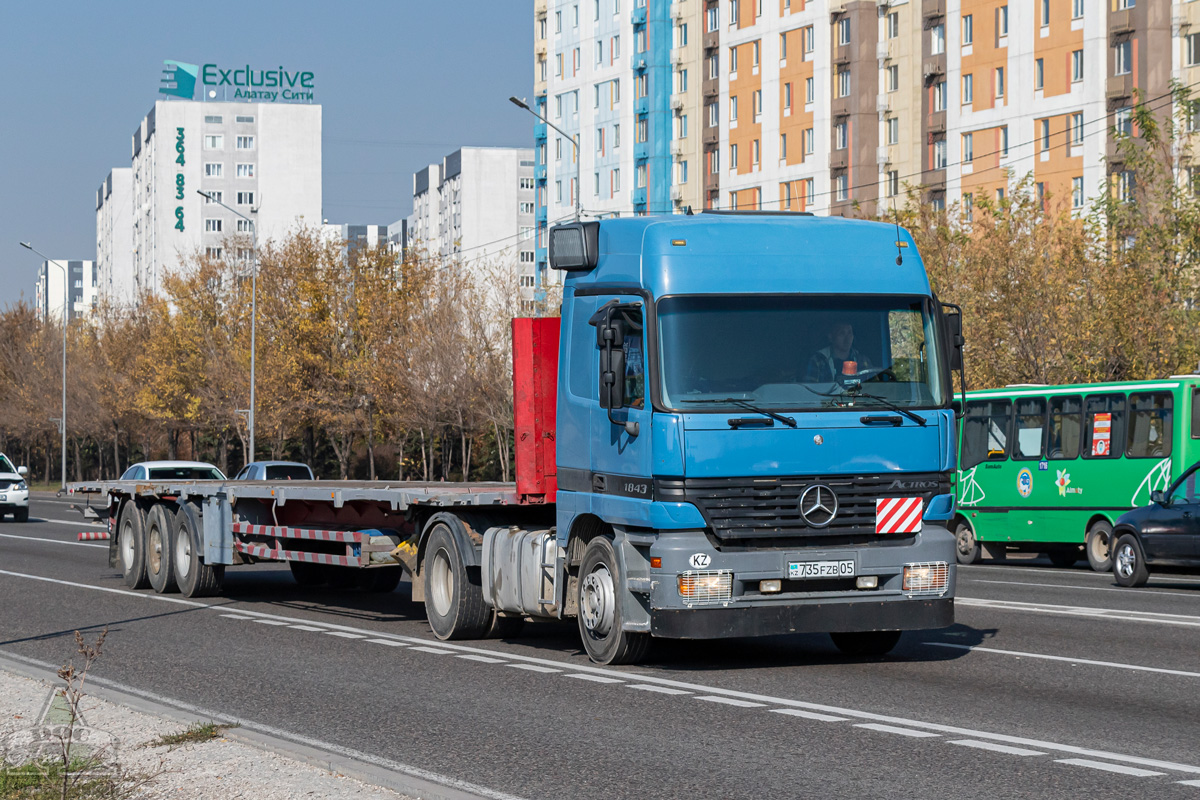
<point>889,404</point>
<point>791,423</point>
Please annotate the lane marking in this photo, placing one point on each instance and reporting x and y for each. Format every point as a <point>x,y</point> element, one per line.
<point>70,522</point>
<point>647,687</point>
<point>344,634</point>
<point>435,650</point>
<point>729,701</point>
<point>483,659</point>
<point>795,712</point>
<point>279,733</point>
<point>1079,573</point>
<point>236,616</point>
<point>1115,615</point>
<point>1102,765</point>
<point>270,622</point>
<point>532,667</point>
<point>387,642</point>
<point>874,726</point>
<point>654,683</point>
<point>312,628</point>
<point>50,541</point>
<point>1189,783</point>
<point>997,748</point>
<point>1088,661</point>
<point>1122,590</point>
<point>594,678</point>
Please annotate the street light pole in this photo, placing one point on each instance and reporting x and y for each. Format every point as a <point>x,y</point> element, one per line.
<point>62,423</point>
<point>253,304</point>
<point>578,161</point>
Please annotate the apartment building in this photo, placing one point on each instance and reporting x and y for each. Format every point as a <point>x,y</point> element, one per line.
<point>80,287</point>
<point>114,238</point>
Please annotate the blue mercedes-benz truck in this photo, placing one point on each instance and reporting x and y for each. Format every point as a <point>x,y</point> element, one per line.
<point>741,425</point>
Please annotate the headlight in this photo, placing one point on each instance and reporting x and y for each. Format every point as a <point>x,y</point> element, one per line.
<point>21,487</point>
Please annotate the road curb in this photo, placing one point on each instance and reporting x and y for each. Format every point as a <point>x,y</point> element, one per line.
<point>377,775</point>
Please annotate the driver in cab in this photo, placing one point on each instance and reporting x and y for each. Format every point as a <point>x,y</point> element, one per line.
<point>840,357</point>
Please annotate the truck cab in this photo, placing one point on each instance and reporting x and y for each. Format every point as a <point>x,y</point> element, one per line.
<point>754,433</point>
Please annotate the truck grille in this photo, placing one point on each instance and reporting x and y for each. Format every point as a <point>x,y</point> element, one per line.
<point>740,509</point>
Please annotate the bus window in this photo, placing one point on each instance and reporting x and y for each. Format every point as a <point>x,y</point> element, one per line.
<point>1149,425</point>
<point>1066,423</point>
<point>1196,413</point>
<point>1103,424</point>
<point>1031,422</point>
<point>985,432</point>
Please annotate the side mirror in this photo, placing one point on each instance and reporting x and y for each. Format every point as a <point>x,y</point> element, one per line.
<point>1158,497</point>
<point>952,320</point>
<point>610,337</point>
<point>22,471</point>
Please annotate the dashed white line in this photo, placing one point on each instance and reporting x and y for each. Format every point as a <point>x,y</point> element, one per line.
<point>648,687</point>
<point>236,616</point>
<point>997,748</point>
<point>593,678</point>
<point>434,650</point>
<point>344,635</point>
<point>1088,661</point>
<point>388,642</point>
<point>274,622</point>
<point>729,701</point>
<point>874,726</point>
<point>72,523</point>
<point>51,541</point>
<point>1189,783</point>
<point>313,628</point>
<point>1123,590</point>
<point>1112,615</point>
<point>483,659</point>
<point>1107,767</point>
<point>534,668</point>
<point>795,712</point>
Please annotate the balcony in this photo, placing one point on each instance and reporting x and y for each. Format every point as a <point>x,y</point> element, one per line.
<point>712,182</point>
<point>641,151</point>
<point>638,61</point>
<point>840,107</point>
<point>933,66</point>
<point>638,17</point>
<point>677,101</point>
<point>540,215</point>
<point>676,193</point>
<point>539,173</point>
<point>711,135</point>
<point>711,88</point>
<point>712,40</point>
<point>931,9</point>
<point>678,56</point>
<point>841,54</point>
<point>540,48</point>
<point>937,122</point>
<point>641,105</point>
<point>539,133</point>
<point>678,147</point>
<point>1120,22</point>
<point>883,104</point>
<point>883,154</point>
<point>839,159</point>
<point>934,180</point>
<point>639,196</point>
<point>1119,86</point>
<point>882,51</point>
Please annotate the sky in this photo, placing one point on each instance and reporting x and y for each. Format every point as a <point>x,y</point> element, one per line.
<point>401,83</point>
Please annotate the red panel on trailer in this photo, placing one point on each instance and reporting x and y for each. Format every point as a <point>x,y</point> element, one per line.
<point>535,387</point>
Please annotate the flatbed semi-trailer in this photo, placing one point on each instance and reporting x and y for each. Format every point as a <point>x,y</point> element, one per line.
<point>740,426</point>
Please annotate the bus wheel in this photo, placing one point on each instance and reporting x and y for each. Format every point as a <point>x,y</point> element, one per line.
<point>1129,565</point>
<point>1064,558</point>
<point>966,545</point>
<point>1098,546</point>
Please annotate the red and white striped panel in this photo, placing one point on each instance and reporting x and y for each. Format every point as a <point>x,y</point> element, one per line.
<point>348,537</point>
<point>92,536</point>
<point>276,554</point>
<point>898,514</point>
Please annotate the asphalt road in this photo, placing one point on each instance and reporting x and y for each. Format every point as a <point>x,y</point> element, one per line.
<point>1054,683</point>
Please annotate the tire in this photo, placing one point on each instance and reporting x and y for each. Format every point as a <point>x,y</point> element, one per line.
<point>600,618</point>
<point>21,515</point>
<point>307,573</point>
<point>339,577</point>
<point>158,550</point>
<point>865,643</point>
<point>454,603</point>
<point>966,546</point>
<point>504,627</point>
<point>1098,546</point>
<point>1129,562</point>
<point>195,578</point>
<point>380,580</point>
<point>131,546</point>
<point>1063,559</point>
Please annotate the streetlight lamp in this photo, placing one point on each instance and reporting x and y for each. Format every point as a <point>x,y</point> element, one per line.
<point>62,423</point>
<point>578,161</point>
<point>253,304</point>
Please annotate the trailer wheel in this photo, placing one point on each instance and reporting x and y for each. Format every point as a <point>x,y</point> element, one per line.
<point>1097,543</point>
<point>966,545</point>
<point>600,618</point>
<point>307,573</point>
<point>158,550</point>
<point>339,577</point>
<point>865,643</point>
<point>195,578</point>
<point>454,603</point>
<point>381,580</point>
<point>131,546</point>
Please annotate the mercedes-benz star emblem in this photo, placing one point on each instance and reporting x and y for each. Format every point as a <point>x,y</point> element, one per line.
<point>819,439</point>
<point>818,505</point>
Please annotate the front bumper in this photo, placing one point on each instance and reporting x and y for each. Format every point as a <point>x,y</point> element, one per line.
<point>904,614</point>
<point>13,500</point>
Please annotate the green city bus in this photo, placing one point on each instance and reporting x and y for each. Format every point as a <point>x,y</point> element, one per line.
<point>1048,469</point>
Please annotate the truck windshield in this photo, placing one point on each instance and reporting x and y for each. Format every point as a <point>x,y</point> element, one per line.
<point>798,352</point>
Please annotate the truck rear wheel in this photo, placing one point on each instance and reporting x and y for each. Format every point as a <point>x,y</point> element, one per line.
<point>307,573</point>
<point>131,546</point>
<point>195,578</point>
<point>865,643</point>
<point>454,604</point>
<point>158,550</point>
<point>380,580</point>
<point>600,617</point>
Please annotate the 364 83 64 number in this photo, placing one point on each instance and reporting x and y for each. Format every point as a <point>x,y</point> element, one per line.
<point>179,218</point>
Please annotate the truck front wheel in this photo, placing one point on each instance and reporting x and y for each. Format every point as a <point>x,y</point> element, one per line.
<point>865,643</point>
<point>454,603</point>
<point>600,618</point>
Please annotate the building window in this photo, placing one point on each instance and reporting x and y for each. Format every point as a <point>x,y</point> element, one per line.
<point>733,108</point>
<point>1039,74</point>
<point>1044,136</point>
<point>783,146</point>
<point>937,39</point>
<point>245,226</point>
<point>968,147</point>
<point>841,136</point>
<point>843,27</point>
<point>712,19</point>
<point>783,47</point>
<point>213,252</point>
<point>639,176</point>
<point>713,116</point>
<point>893,78</point>
<point>968,29</point>
<point>1077,128</point>
<point>213,226</point>
<point>526,183</point>
<point>214,142</point>
<point>968,89</point>
<point>683,172</point>
<point>939,96</point>
<point>806,36</point>
<point>713,67</point>
<point>968,203</point>
<point>809,135</point>
<point>245,170</point>
<point>245,198</point>
<point>526,208</point>
<point>893,130</point>
<point>754,50</point>
<point>843,78</point>
<point>1002,21</point>
<point>1045,13</point>
<point>616,180</point>
<point>1125,186</point>
<point>733,12</point>
<point>214,170</point>
<point>939,154</point>
<point>733,61</point>
<point>1123,121</point>
<point>213,197</point>
<point>1076,9</point>
<point>842,187</point>
<point>893,25</point>
<point>809,91</point>
<point>754,153</point>
<point>756,102</point>
<point>245,143</point>
<point>1077,192</point>
<point>213,120</point>
<point>1123,58</point>
<point>1124,4</point>
<point>893,183</point>
<point>1004,141</point>
<point>1076,66</point>
<point>999,82</point>
<point>641,131</point>
<point>1193,49</point>
<point>787,95</point>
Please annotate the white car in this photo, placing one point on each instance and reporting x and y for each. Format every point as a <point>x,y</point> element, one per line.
<point>172,471</point>
<point>14,491</point>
